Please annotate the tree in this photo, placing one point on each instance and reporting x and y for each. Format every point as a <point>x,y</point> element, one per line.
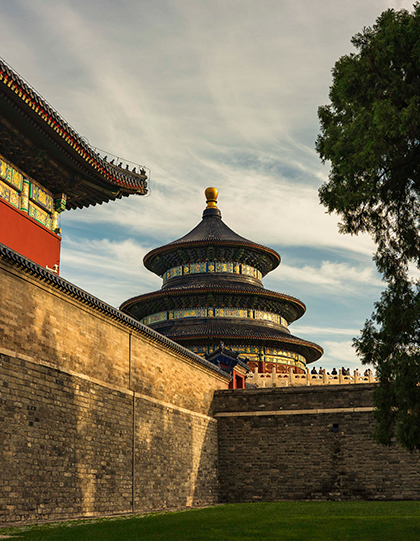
<point>371,135</point>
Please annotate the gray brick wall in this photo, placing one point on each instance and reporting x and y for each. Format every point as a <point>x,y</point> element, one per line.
<point>278,444</point>
<point>97,419</point>
<point>67,448</point>
<point>93,412</point>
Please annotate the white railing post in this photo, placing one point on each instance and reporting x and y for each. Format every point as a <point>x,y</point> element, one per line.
<point>290,379</point>
<point>273,376</point>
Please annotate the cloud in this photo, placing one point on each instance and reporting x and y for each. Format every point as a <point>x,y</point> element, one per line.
<point>335,277</point>
<point>110,270</point>
<point>308,329</point>
<point>399,4</point>
<point>338,354</point>
<point>217,93</point>
<point>229,111</point>
<point>258,205</point>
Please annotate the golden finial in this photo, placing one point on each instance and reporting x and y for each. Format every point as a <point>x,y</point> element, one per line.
<point>211,197</point>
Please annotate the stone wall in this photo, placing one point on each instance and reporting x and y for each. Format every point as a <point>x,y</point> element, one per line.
<point>98,415</point>
<point>307,443</point>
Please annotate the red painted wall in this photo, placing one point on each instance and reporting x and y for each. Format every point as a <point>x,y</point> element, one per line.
<point>238,381</point>
<point>28,237</point>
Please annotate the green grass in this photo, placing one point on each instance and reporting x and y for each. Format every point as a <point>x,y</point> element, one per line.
<point>282,521</point>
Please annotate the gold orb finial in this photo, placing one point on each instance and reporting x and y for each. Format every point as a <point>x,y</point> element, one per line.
<point>211,197</point>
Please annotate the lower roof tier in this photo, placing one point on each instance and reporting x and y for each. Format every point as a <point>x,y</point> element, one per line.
<point>211,331</point>
<point>257,356</point>
<point>232,296</point>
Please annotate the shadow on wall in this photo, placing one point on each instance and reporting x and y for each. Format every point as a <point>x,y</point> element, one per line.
<point>176,458</point>
<point>206,486</point>
<point>310,444</point>
<point>67,443</point>
<point>65,451</point>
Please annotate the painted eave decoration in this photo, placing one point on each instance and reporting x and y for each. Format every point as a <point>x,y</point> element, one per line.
<point>37,139</point>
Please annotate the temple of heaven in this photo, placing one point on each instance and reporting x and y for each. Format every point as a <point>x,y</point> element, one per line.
<point>212,293</point>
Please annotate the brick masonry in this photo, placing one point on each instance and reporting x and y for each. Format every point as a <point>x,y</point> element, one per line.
<point>278,444</point>
<point>99,417</point>
<point>96,417</point>
<point>67,444</point>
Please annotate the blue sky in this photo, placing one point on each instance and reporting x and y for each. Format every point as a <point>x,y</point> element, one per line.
<point>205,93</point>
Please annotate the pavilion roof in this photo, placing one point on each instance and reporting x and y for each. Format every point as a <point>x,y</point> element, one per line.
<point>241,295</point>
<point>211,239</point>
<point>194,331</point>
<point>36,139</point>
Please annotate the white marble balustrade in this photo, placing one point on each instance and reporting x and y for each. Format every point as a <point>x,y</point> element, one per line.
<point>293,380</point>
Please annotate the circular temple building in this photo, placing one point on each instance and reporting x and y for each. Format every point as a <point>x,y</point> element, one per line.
<point>212,293</point>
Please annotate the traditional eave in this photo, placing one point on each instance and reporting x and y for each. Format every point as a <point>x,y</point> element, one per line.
<point>233,297</point>
<point>211,240</point>
<point>229,358</point>
<point>40,142</point>
<point>234,331</point>
<point>163,258</point>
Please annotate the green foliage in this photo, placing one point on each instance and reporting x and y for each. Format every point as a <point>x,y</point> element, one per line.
<point>371,134</point>
<point>390,341</point>
<point>286,521</point>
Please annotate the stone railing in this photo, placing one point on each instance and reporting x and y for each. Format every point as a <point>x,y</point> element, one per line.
<point>276,379</point>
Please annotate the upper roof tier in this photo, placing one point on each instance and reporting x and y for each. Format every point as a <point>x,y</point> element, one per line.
<point>35,138</point>
<point>211,240</point>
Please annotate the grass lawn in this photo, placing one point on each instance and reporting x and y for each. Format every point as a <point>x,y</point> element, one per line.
<point>282,521</point>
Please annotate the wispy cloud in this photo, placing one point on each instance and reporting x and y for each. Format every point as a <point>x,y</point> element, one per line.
<point>217,93</point>
<point>227,111</point>
<point>335,277</point>
<point>112,271</point>
<point>310,329</point>
<point>263,207</point>
<point>339,354</point>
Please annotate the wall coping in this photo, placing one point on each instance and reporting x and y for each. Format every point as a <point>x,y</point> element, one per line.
<point>278,413</point>
<point>72,290</point>
<point>261,391</point>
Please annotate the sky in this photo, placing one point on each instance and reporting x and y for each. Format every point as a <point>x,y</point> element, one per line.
<point>217,93</point>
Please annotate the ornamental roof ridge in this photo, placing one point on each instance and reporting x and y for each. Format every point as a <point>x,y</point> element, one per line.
<point>294,307</point>
<point>26,99</point>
